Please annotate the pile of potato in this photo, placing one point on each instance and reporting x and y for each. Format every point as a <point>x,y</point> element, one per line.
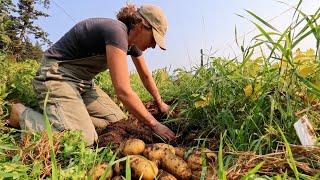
<point>163,162</point>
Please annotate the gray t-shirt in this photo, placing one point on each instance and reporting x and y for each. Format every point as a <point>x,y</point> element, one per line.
<point>89,38</point>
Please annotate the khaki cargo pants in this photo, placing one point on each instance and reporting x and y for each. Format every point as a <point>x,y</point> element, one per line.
<point>74,102</point>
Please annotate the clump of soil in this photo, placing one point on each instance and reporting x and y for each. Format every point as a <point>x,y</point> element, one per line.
<point>118,132</point>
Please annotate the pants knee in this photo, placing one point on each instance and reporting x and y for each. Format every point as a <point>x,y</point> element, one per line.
<point>90,137</point>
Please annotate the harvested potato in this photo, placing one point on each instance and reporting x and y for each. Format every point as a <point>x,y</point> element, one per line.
<point>164,146</point>
<point>157,151</point>
<point>210,154</point>
<point>157,162</point>
<point>180,151</point>
<point>194,159</point>
<point>142,167</point>
<point>133,147</point>
<point>100,169</point>
<point>194,162</point>
<point>176,166</point>
<point>156,154</point>
<point>164,175</point>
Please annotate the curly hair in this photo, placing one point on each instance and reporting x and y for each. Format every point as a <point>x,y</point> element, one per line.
<point>130,17</point>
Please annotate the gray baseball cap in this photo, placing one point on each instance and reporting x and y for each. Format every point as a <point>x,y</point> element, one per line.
<point>156,18</point>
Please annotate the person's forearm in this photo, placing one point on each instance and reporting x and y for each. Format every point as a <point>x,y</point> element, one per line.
<point>132,102</point>
<point>151,86</point>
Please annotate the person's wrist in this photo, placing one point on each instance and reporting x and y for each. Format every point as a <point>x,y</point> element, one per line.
<point>158,101</point>
<point>151,121</point>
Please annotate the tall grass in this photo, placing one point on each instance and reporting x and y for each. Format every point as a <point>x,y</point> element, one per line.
<point>249,96</point>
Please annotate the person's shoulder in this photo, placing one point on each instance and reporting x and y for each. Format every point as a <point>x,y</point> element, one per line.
<point>106,22</point>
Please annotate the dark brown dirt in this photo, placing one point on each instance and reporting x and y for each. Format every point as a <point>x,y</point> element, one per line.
<point>118,132</point>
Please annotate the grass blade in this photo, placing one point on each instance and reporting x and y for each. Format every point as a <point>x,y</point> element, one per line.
<point>50,137</point>
<point>221,171</point>
<point>290,159</point>
<point>252,171</point>
<point>263,21</point>
<point>108,170</point>
<point>128,169</point>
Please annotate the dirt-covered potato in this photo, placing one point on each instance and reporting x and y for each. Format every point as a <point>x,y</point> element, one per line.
<point>180,151</point>
<point>100,169</point>
<point>157,151</point>
<point>194,159</point>
<point>176,166</point>
<point>164,146</point>
<point>142,167</point>
<point>164,175</point>
<point>133,147</point>
<point>157,162</point>
<point>210,154</point>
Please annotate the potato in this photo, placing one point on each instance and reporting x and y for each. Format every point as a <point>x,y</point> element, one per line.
<point>156,154</point>
<point>210,154</point>
<point>194,159</point>
<point>164,175</point>
<point>133,147</point>
<point>180,151</point>
<point>176,166</point>
<point>142,167</point>
<point>157,151</point>
<point>100,169</point>
<point>157,162</point>
<point>164,146</point>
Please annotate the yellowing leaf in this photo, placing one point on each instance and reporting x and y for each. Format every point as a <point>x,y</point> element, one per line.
<point>310,52</point>
<point>204,100</point>
<point>317,84</point>
<point>195,95</point>
<point>305,71</point>
<point>258,60</point>
<point>248,90</point>
<point>298,54</point>
<point>201,104</point>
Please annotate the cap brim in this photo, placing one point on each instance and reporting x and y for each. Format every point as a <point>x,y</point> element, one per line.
<point>159,39</point>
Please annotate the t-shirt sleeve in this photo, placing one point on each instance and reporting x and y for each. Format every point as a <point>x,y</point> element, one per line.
<point>116,35</point>
<point>134,51</point>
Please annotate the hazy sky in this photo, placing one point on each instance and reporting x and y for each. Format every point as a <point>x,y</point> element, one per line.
<point>193,24</point>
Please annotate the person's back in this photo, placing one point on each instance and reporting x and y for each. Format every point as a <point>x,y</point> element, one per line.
<point>89,38</point>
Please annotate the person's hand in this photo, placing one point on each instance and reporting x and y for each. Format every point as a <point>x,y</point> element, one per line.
<point>163,131</point>
<point>164,108</point>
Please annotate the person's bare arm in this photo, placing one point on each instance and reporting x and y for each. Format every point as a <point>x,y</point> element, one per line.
<point>148,82</point>
<point>118,67</point>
